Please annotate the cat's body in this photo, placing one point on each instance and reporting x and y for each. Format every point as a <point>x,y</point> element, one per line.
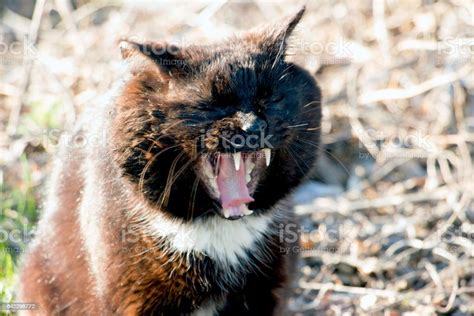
<point>96,262</point>
<point>142,221</point>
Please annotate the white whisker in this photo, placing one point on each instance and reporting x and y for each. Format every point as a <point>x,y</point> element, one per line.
<point>298,125</point>
<point>308,104</point>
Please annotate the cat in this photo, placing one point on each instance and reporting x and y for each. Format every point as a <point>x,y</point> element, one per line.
<point>178,202</point>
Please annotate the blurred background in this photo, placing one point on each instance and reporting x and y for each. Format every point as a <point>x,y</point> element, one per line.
<point>388,217</point>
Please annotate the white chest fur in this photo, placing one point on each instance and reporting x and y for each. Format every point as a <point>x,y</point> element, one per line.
<point>222,240</point>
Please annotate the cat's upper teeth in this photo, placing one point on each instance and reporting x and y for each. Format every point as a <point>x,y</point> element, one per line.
<point>236,157</point>
<point>268,155</point>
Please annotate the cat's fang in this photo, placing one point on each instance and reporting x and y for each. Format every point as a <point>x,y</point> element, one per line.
<point>236,157</point>
<point>268,155</point>
<point>226,212</point>
<point>211,177</point>
<point>207,168</point>
<point>216,170</point>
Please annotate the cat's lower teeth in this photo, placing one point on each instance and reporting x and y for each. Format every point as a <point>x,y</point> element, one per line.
<point>247,211</point>
<point>241,212</point>
<point>249,165</point>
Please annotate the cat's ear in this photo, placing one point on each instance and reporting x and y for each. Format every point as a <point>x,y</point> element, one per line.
<point>274,38</point>
<point>167,57</point>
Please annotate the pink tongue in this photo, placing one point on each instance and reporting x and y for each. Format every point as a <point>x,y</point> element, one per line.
<point>232,185</point>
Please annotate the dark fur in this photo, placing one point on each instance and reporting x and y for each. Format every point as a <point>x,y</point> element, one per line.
<point>154,132</point>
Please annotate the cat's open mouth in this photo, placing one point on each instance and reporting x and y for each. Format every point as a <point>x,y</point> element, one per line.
<point>232,178</point>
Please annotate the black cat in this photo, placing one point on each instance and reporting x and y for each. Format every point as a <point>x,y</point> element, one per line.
<point>179,209</point>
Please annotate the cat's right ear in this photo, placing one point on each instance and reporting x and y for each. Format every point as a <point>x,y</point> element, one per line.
<point>153,64</point>
<point>167,57</point>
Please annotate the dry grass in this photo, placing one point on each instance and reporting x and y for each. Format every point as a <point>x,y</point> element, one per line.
<point>388,222</point>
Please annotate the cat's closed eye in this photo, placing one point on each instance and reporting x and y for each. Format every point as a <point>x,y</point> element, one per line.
<point>205,107</point>
<point>277,98</point>
<point>275,101</point>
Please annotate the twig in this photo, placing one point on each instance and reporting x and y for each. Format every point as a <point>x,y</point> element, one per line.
<point>9,90</point>
<point>453,265</point>
<point>345,206</point>
<point>32,38</point>
<point>397,94</point>
<point>349,289</point>
<point>380,29</point>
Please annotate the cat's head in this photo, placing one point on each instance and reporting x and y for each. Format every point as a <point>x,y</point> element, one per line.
<point>227,129</point>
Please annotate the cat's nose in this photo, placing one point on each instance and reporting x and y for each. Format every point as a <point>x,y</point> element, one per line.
<point>250,123</point>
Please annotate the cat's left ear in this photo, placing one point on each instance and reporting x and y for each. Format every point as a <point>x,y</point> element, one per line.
<point>274,38</point>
